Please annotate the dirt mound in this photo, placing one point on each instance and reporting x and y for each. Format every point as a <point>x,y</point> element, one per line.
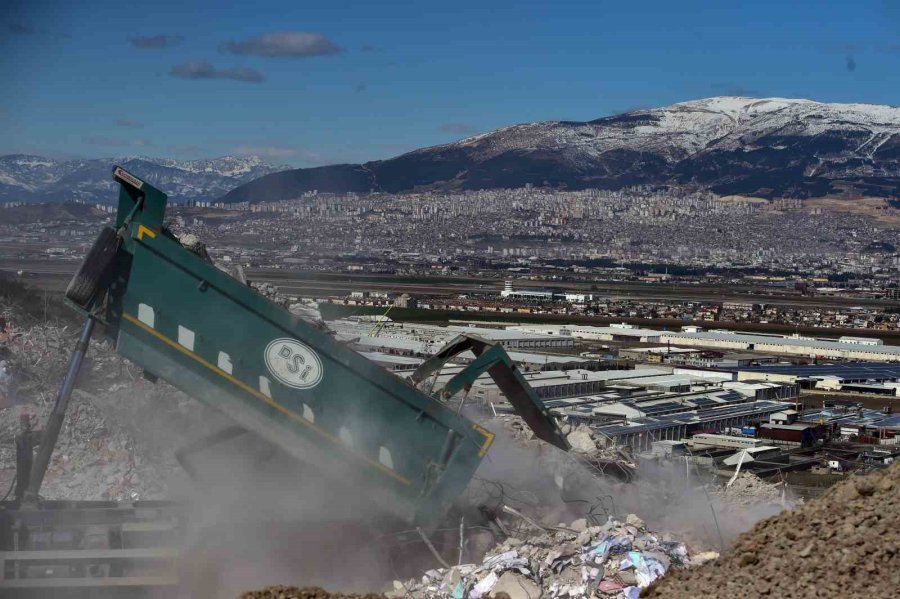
<point>844,544</point>
<point>280,592</point>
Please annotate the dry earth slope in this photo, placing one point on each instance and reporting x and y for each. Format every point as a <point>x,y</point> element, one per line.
<point>844,544</point>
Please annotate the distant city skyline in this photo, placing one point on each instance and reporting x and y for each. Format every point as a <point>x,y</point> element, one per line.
<point>355,81</point>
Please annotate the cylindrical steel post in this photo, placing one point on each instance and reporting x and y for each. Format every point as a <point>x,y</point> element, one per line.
<point>55,420</point>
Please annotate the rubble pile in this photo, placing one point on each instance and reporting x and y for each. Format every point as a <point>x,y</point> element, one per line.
<point>92,460</point>
<point>587,441</point>
<point>747,489</point>
<point>617,559</point>
<point>515,428</point>
<point>270,292</point>
<point>582,438</point>
<point>280,592</point>
<point>6,383</point>
<point>32,357</point>
<point>192,243</point>
<point>116,440</point>
<point>845,543</point>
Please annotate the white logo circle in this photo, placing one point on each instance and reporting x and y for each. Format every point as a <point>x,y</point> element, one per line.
<point>293,363</point>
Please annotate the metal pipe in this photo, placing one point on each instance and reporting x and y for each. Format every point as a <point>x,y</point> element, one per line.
<point>431,548</point>
<point>55,419</point>
<point>449,445</point>
<point>462,539</point>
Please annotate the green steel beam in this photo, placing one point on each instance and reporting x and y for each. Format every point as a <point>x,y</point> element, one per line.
<point>493,359</point>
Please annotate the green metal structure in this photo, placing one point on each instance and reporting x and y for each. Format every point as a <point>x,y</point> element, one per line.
<point>276,375</point>
<point>492,359</point>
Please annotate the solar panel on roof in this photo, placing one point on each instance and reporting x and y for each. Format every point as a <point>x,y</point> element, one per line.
<point>856,370</point>
<point>555,403</point>
<point>731,396</point>
<point>662,407</point>
<point>702,402</point>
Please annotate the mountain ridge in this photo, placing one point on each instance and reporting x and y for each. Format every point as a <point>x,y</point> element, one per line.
<point>770,147</point>
<point>33,179</point>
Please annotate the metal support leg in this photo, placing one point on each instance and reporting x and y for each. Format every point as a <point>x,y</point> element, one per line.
<point>183,455</point>
<point>55,420</point>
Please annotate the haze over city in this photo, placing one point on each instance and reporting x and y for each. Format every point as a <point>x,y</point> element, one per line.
<point>472,300</point>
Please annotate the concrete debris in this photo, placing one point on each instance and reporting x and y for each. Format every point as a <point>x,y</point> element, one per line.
<point>843,544</point>
<point>192,243</point>
<point>602,455</point>
<point>613,560</point>
<point>582,442</point>
<point>7,393</point>
<point>516,428</point>
<point>282,592</point>
<point>270,292</point>
<point>748,489</point>
<point>117,438</point>
<point>703,557</point>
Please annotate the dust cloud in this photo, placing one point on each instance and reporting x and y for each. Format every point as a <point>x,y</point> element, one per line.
<point>258,517</point>
<point>670,497</point>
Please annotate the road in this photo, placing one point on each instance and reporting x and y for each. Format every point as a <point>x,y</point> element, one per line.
<point>54,275</point>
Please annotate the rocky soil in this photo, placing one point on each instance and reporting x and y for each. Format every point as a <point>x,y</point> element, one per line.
<point>280,592</point>
<point>845,544</point>
<point>120,430</point>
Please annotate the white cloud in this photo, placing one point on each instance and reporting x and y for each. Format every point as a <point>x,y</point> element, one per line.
<point>200,69</point>
<point>284,44</point>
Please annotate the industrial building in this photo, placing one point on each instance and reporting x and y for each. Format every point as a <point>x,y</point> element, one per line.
<point>424,340</point>
<point>528,361</point>
<point>658,354</point>
<point>639,433</point>
<point>634,407</point>
<point>850,421</point>
<point>787,345</point>
<point>845,348</point>
<point>529,293</point>
<point>639,418</point>
<point>561,384</point>
<point>542,295</point>
<point>615,332</point>
<point>873,378</point>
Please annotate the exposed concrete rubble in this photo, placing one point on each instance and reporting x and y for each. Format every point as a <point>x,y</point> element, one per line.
<point>7,389</point>
<point>281,592</point>
<point>602,456</point>
<point>844,544</point>
<point>270,292</point>
<point>93,459</point>
<point>582,438</point>
<point>747,489</point>
<point>193,244</point>
<point>616,559</point>
<point>117,439</point>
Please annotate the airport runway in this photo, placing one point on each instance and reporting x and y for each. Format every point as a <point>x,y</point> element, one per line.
<point>54,275</point>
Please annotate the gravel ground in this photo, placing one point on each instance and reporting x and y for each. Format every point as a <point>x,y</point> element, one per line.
<point>845,544</point>
<point>279,592</point>
<point>120,430</point>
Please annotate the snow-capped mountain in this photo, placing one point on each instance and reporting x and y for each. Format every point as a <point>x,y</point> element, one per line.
<point>37,179</point>
<point>770,147</point>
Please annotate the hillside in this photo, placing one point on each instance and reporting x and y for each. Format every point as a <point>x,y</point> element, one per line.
<point>760,147</point>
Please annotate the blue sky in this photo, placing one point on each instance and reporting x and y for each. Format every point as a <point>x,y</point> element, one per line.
<point>308,83</point>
